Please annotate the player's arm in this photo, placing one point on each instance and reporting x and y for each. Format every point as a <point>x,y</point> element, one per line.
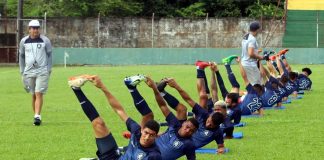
<point>252,54</point>
<point>213,86</point>
<point>114,103</point>
<point>190,152</point>
<point>260,112</point>
<point>243,73</point>
<point>48,48</point>
<point>22,57</point>
<point>172,83</point>
<point>160,101</point>
<point>281,68</point>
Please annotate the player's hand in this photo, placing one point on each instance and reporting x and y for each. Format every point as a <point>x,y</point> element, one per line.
<point>221,150</point>
<point>150,82</point>
<point>96,81</point>
<point>238,59</point>
<point>213,66</point>
<point>172,83</point>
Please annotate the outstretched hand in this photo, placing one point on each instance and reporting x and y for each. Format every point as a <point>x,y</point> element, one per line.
<point>172,83</point>
<point>213,66</point>
<point>150,82</point>
<point>238,59</point>
<point>97,81</point>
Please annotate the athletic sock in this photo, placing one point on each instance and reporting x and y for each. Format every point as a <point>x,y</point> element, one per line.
<point>221,84</point>
<point>232,77</point>
<point>172,101</point>
<point>140,102</point>
<point>87,107</point>
<point>201,74</point>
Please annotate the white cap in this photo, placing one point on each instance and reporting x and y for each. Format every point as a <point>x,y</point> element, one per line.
<point>34,23</point>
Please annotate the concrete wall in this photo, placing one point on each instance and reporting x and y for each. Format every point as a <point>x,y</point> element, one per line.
<point>137,32</point>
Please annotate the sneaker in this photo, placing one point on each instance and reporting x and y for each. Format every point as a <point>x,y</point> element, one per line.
<point>132,81</point>
<point>272,58</point>
<point>78,81</point>
<point>229,59</point>
<point>282,52</point>
<point>202,64</point>
<point>266,55</point>
<point>37,121</point>
<point>127,134</point>
<point>161,85</point>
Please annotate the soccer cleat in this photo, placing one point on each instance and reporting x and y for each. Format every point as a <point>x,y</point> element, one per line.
<point>127,134</point>
<point>272,58</point>
<point>78,81</point>
<point>282,52</point>
<point>37,121</point>
<point>229,59</point>
<point>161,85</point>
<point>266,55</point>
<point>202,64</point>
<point>132,81</point>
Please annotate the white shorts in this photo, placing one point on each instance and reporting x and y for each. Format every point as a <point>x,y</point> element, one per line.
<point>253,74</point>
<point>38,83</point>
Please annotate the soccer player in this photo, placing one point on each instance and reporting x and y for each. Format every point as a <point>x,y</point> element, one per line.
<point>206,99</point>
<point>304,82</point>
<point>176,141</point>
<point>251,102</point>
<point>227,126</point>
<point>209,129</point>
<point>35,61</point>
<point>142,145</point>
<point>271,93</point>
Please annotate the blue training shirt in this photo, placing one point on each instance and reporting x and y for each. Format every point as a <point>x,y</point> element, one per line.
<point>204,136</point>
<point>234,114</point>
<point>135,150</point>
<point>304,83</point>
<point>171,145</point>
<point>271,95</point>
<point>251,103</point>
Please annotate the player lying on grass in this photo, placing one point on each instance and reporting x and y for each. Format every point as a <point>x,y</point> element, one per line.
<point>209,124</point>
<point>287,79</point>
<point>206,99</point>
<point>271,95</point>
<point>304,82</point>
<point>142,145</point>
<point>176,140</point>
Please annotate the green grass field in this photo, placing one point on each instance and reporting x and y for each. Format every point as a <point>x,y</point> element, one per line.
<point>66,133</point>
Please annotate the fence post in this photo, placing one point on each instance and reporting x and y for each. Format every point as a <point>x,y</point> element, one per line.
<point>153,30</point>
<point>98,43</point>
<point>44,25</point>
<point>317,30</point>
<point>207,30</point>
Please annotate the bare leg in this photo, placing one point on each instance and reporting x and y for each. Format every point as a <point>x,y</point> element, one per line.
<point>33,102</point>
<point>38,103</point>
<point>203,97</point>
<point>99,128</point>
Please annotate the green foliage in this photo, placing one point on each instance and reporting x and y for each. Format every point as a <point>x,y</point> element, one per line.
<point>194,10</point>
<point>222,8</point>
<point>258,10</point>
<point>161,8</point>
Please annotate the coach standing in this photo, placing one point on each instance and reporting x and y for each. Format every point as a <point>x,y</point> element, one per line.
<point>35,61</point>
<point>250,54</point>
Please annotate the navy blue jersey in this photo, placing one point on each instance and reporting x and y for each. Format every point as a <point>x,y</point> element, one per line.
<point>304,83</point>
<point>171,145</point>
<point>251,103</point>
<point>134,148</point>
<point>226,124</point>
<point>204,136</point>
<point>290,87</point>
<point>270,95</point>
<point>234,114</point>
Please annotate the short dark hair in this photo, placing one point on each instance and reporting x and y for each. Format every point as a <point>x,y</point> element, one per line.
<point>307,70</point>
<point>153,125</point>
<point>293,75</point>
<point>234,97</point>
<point>254,26</point>
<point>217,118</point>
<point>258,87</point>
<point>283,79</point>
<point>194,122</point>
